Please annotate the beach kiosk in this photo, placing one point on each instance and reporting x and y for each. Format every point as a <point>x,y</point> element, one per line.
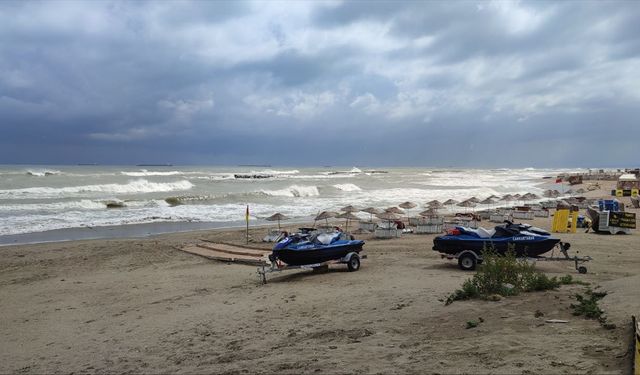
<point>627,186</point>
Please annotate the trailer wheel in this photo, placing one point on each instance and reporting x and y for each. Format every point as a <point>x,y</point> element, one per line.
<point>467,262</point>
<point>582,269</point>
<point>354,263</point>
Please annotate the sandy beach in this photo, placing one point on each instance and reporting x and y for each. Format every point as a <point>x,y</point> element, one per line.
<point>141,306</point>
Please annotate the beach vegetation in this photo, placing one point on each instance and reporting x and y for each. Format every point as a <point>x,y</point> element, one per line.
<point>505,275</point>
<point>587,306</point>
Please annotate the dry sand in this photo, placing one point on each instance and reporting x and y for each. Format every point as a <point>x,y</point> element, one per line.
<point>139,305</point>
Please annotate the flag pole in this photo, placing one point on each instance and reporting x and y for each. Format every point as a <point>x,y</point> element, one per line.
<point>247,220</point>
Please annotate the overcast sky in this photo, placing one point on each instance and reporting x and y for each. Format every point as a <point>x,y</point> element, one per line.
<point>456,83</point>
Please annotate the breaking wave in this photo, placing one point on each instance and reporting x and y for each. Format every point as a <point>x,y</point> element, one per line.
<point>347,187</point>
<point>42,173</point>
<point>274,172</point>
<point>293,191</point>
<point>144,173</point>
<point>136,186</point>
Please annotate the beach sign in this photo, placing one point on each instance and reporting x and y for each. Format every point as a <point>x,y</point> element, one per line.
<point>622,219</point>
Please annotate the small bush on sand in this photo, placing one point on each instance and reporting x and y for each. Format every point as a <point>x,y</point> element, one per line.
<point>587,306</point>
<point>506,276</point>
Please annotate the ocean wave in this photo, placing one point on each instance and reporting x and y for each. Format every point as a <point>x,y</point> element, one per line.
<point>79,205</point>
<point>42,173</point>
<point>186,199</point>
<point>273,172</point>
<point>145,173</point>
<point>132,187</point>
<point>84,204</point>
<point>293,191</point>
<point>347,187</point>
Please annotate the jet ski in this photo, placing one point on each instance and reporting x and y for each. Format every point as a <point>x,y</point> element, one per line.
<point>311,248</point>
<point>523,239</point>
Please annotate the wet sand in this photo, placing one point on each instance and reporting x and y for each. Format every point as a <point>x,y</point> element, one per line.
<point>139,305</point>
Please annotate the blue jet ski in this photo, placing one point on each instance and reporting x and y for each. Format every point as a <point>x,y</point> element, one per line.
<point>306,249</point>
<point>524,240</point>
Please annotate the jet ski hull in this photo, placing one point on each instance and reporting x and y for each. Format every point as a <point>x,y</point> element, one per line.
<point>314,254</point>
<point>522,245</point>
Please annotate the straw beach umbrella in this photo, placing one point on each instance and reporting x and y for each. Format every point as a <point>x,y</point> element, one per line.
<point>488,202</point>
<point>450,202</point>
<point>474,200</point>
<point>372,211</point>
<point>348,216</point>
<point>407,205</point>
<point>394,210</point>
<point>433,202</point>
<point>428,212</point>
<point>388,216</point>
<point>435,206</point>
<point>350,208</point>
<point>326,215</point>
<point>277,217</point>
<point>466,204</point>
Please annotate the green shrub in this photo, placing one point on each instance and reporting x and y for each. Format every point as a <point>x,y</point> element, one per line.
<point>506,276</point>
<point>587,306</point>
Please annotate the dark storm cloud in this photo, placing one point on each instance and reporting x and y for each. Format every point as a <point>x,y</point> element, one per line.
<point>381,82</point>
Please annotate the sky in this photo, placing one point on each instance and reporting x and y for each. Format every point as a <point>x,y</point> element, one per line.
<point>296,83</point>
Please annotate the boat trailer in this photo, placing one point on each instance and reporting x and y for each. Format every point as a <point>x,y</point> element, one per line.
<point>352,260</point>
<point>564,249</point>
<point>468,259</point>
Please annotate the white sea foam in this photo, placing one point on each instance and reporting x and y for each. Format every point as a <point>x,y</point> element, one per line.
<point>132,187</point>
<point>294,191</point>
<point>145,173</point>
<point>42,173</point>
<point>347,187</point>
<point>84,204</point>
<point>274,172</point>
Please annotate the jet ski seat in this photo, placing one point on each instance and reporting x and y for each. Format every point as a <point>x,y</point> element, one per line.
<point>327,238</point>
<point>485,233</point>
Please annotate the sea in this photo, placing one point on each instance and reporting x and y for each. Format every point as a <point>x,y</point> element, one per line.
<point>45,199</point>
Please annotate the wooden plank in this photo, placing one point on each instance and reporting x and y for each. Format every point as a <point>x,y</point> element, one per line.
<point>636,340</point>
<point>234,250</point>
<point>224,257</point>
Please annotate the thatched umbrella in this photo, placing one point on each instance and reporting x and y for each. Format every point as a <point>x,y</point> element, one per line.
<point>473,199</point>
<point>388,216</point>
<point>450,202</point>
<point>407,205</point>
<point>489,201</point>
<point>433,202</point>
<point>350,208</point>
<point>277,217</point>
<point>372,211</point>
<point>493,196</point>
<point>429,212</point>
<point>325,215</point>
<point>435,206</point>
<point>466,204</point>
<point>394,210</point>
<point>348,216</point>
